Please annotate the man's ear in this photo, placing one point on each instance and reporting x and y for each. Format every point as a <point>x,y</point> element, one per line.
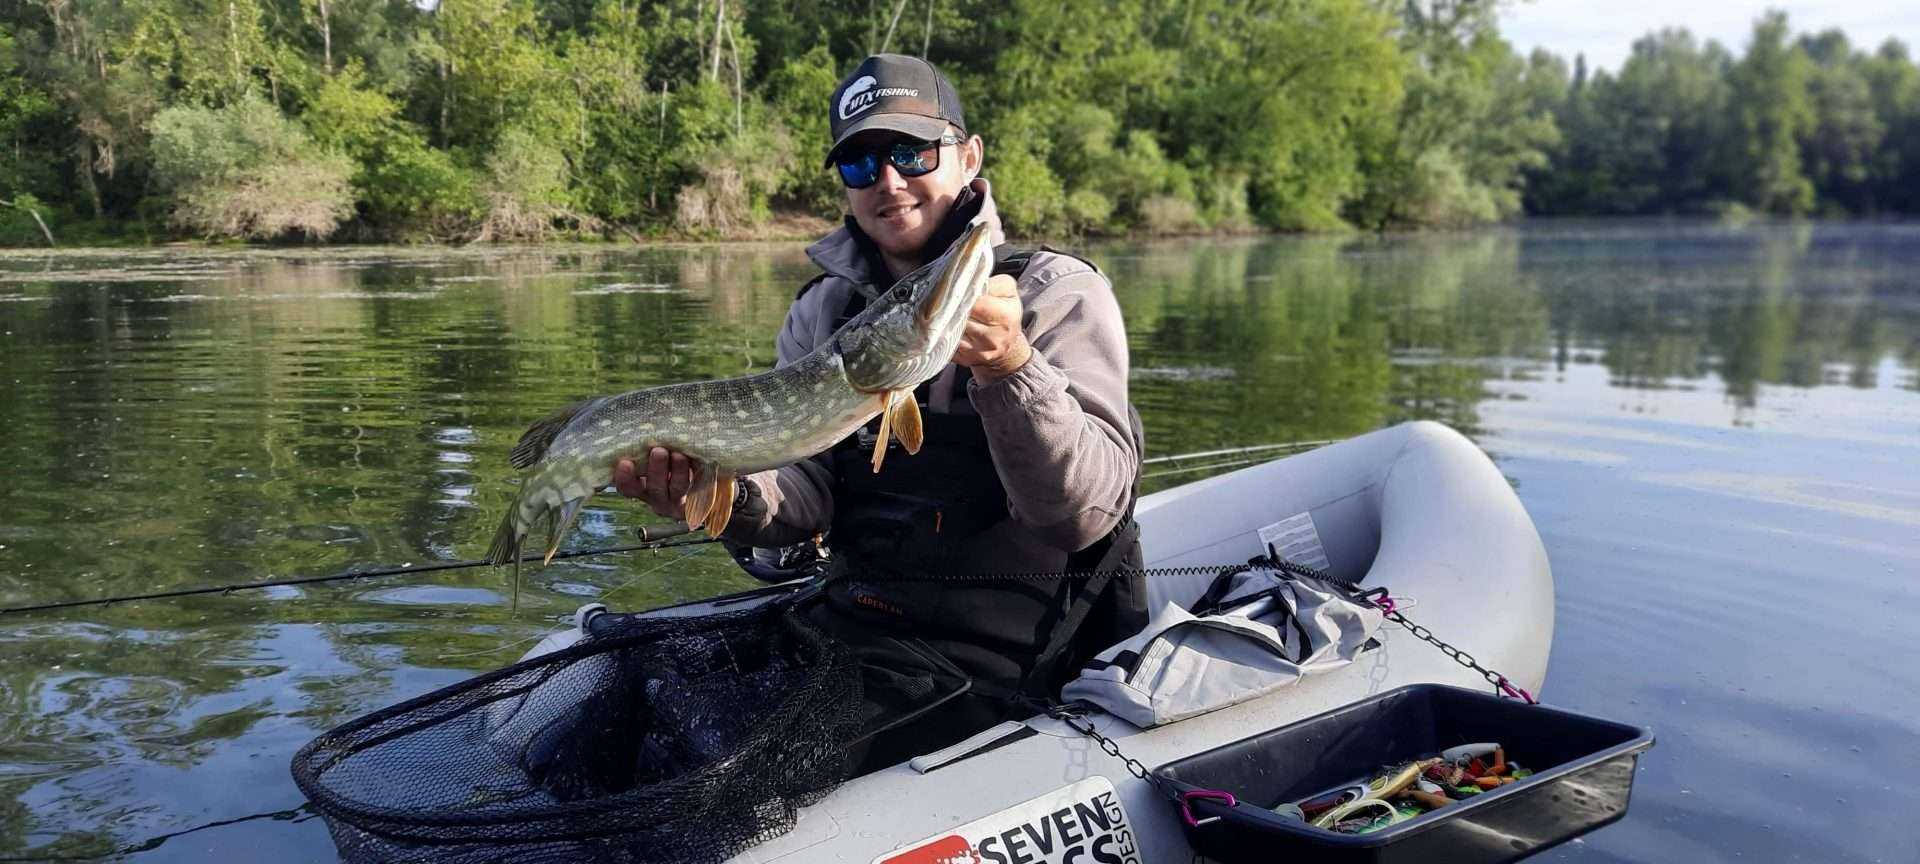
<point>974,152</point>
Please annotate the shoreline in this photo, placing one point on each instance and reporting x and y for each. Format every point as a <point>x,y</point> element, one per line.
<point>806,228</point>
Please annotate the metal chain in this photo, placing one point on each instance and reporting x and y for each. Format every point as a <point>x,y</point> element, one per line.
<point>1056,575</point>
<point>1073,714</point>
<point>1501,686</point>
<point>1069,714</point>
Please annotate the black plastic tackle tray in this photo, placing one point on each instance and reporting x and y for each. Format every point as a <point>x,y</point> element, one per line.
<point>1583,774</point>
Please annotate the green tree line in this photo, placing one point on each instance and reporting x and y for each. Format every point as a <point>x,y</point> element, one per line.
<point>1796,126</point>
<point>531,119</point>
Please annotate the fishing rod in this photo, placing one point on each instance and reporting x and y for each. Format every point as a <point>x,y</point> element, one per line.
<point>1239,451</point>
<point>654,538</point>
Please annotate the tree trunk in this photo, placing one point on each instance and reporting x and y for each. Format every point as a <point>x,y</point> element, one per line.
<point>888,39</point>
<point>926,36</point>
<point>719,21</point>
<point>83,165</point>
<point>734,50</point>
<point>36,220</point>
<point>326,40</point>
<point>699,32</point>
<point>653,184</point>
<point>233,41</point>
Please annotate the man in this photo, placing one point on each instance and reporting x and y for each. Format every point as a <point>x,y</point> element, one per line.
<point>1031,450</point>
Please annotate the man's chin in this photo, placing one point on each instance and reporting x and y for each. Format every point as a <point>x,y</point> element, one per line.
<point>902,241</point>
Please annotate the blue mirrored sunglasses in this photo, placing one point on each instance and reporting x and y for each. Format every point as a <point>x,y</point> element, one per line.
<point>861,168</point>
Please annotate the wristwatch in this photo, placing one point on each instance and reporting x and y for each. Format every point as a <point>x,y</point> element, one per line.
<point>745,493</point>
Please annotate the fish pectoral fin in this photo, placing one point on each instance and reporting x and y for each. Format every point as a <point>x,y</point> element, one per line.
<point>725,486</point>
<point>700,497</point>
<point>886,418</point>
<point>905,421</point>
<point>562,520</point>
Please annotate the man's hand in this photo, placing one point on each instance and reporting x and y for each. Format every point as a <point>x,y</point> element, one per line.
<point>993,345</point>
<point>661,480</point>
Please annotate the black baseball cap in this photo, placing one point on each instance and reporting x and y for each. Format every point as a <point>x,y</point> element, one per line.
<point>895,92</point>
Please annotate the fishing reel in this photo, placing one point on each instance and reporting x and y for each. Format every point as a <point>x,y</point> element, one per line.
<point>803,560</point>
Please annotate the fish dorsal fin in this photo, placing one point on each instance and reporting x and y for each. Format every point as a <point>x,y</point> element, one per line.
<point>538,437</point>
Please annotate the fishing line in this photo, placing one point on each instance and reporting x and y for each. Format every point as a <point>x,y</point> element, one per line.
<point>648,572</point>
<point>341,577</point>
<point>1236,451</point>
<point>495,649</point>
<point>296,815</point>
<point>1210,466</point>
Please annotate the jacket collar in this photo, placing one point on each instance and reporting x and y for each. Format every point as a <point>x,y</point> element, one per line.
<point>848,254</point>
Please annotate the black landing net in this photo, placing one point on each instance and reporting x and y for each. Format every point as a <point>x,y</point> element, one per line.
<point>664,740</point>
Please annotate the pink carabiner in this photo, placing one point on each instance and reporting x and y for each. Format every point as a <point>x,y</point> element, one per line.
<point>1517,692</point>
<point>1188,797</point>
<point>1385,602</point>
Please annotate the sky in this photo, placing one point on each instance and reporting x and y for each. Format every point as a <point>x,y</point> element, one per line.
<point>1605,29</point>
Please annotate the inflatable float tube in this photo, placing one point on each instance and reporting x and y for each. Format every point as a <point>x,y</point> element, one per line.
<point>1416,508</point>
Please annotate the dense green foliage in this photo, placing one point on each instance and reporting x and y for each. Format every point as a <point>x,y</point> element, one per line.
<point>523,119</point>
<point>1794,126</point>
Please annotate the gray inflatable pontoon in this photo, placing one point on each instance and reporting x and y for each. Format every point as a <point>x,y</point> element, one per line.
<point>1416,508</point>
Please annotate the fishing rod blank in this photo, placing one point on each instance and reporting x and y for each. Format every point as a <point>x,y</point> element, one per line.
<point>381,573</point>
<point>1235,451</point>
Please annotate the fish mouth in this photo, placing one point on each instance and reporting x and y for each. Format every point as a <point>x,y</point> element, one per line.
<point>969,263</point>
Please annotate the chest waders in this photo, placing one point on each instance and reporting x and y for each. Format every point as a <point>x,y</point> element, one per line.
<point>917,548</point>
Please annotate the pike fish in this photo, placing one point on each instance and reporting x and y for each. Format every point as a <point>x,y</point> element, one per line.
<point>735,426</point>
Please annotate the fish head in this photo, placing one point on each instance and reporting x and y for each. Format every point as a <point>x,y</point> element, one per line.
<point>909,334</point>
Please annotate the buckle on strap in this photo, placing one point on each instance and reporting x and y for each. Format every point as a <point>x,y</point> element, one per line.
<point>1074,710</point>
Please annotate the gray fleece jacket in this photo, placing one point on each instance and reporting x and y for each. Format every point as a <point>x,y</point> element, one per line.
<point>1057,427</point>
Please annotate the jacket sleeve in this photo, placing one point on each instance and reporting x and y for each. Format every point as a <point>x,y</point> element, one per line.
<point>795,502</point>
<point>1058,427</point>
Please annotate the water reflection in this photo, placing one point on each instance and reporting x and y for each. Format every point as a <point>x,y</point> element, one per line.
<point>183,418</point>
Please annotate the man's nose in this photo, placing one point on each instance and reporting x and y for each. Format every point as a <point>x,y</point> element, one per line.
<point>889,177</point>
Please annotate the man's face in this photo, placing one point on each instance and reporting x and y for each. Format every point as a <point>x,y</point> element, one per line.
<point>901,213</point>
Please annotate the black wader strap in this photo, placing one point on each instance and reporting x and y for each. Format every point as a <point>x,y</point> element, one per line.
<point>1011,261</point>
<point>1112,553</point>
<point>1104,558</point>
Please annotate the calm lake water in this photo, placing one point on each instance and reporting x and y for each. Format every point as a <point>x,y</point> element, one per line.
<point>1715,429</point>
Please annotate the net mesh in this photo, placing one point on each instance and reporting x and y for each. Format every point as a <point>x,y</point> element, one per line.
<point>665,740</point>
